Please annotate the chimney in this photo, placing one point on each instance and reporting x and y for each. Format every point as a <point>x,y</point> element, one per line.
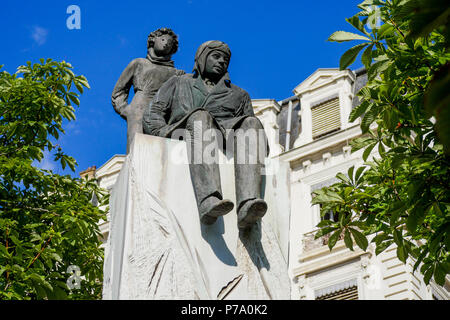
<point>89,172</point>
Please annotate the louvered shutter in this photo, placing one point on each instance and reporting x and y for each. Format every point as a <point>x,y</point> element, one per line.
<point>325,118</point>
<point>347,294</point>
<point>347,290</point>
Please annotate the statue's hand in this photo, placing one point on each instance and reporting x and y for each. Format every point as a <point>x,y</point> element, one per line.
<point>124,111</point>
<point>180,72</point>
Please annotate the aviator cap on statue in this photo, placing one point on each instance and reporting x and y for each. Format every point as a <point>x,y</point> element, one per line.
<point>204,50</point>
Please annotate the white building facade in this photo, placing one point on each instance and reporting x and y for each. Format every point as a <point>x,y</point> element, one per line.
<point>311,132</point>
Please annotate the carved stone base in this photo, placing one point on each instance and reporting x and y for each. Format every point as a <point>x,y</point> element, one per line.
<point>158,249</point>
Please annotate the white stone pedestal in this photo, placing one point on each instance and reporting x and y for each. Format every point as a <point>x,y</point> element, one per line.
<point>158,249</point>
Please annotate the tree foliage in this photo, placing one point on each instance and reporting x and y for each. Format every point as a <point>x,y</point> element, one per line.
<point>401,196</point>
<point>47,221</point>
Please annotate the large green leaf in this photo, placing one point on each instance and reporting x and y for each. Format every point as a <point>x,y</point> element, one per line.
<point>360,239</point>
<point>366,57</point>
<point>350,55</point>
<point>358,24</point>
<point>334,238</point>
<point>358,110</point>
<point>340,36</point>
<point>348,239</point>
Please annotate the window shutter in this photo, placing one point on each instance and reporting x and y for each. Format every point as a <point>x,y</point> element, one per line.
<point>325,118</point>
<point>348,294</point>
<point>343,291</point>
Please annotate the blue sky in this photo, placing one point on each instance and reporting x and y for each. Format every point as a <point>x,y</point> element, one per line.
<point>275,45</point>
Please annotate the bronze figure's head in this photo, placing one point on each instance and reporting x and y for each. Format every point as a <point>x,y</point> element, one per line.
<point>212,59</point>
<point>163,41</point>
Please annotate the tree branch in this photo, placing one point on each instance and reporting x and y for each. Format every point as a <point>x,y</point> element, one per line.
<point>40,252</point>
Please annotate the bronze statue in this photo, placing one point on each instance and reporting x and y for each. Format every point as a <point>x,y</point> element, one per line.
<point>208,100</point>
<point>146,75</point>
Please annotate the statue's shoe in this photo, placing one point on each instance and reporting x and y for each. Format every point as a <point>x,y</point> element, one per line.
<point>214,208</point>
<point>250,212</point>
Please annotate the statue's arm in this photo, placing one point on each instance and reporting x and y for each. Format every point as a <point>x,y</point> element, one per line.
<point>155,115</point>
<point>245,107</point>
<point>119,96</point>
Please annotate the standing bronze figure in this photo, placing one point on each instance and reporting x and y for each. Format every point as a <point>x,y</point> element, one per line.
<point>208,100</point>
<point>146,75</point>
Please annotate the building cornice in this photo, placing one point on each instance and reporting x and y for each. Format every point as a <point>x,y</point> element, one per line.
<point>321,258</point>
<point>299,153</point>
<point>335,74</point>
<point>105,168</point>
<point>261,105</point>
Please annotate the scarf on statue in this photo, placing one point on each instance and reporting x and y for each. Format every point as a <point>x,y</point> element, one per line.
<point>163,61</point>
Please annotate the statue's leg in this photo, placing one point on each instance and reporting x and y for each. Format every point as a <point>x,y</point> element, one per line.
<point>134,125</point>
<point>248,143</point>
<point>205,176</point>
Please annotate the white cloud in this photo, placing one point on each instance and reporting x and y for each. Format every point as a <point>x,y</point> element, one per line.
<point>122,40</point>
<point>39,35</point>
<point>72,129</point>
<point>47,162</point>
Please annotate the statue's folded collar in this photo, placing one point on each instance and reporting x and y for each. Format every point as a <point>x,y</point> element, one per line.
<point>164,61</point>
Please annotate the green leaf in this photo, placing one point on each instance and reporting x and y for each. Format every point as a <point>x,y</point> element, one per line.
<point>324,231</point>
<point>343,177</point>
<point>419,259</point>
<point>367,151</point>
<point>366,57</point>
<point>427,275</point>
<point>350,172</point>
<point>378,67</point>
<point>60,294</point>
<point>360,239</point>
<point>358,111</point>
<point>361,142</point>
<point>15,240</point>
<point>334,238</point>
<point>435,243</point>
<point>340,36</point>
<point>74,99</point>
<point>402,254</point>
<point>357,23</point>
<point>40,291</point>
<point>324,223</point>
<point>2,269</point>
<point>382,246</point>
<point>381,149</point>
<point>397,160</point>
<point>415,217</point>
<point>350,55</point>
<point>326,196</point>
<point>439,275</point>
<point>385,31</point>
<point>398,238</point>
<point>368,119</point>
<point>358,174</point>
<point>348,240</point>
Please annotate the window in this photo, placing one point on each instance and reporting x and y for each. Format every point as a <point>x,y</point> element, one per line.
<point>325,117</point>
<point>330,215</point>
<point>347,290</point>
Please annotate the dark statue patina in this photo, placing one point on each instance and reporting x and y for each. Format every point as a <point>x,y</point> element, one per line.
<point>207,99</point>
<point>146,75</point>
